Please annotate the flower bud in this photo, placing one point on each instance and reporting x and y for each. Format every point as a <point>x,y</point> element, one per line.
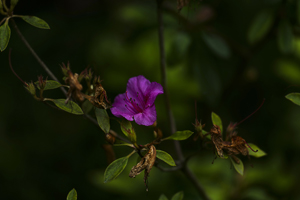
<point>42,83</point>
<point>30,87</point>
<point>158,134</point>
<point>110,138</point>
<point>65,68</point>
<point>82,75</point>
<point>198,129</point>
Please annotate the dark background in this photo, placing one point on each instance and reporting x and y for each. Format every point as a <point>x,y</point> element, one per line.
<point>44,153</point>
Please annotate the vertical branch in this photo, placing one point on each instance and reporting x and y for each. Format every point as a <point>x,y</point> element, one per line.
<point>187,172</point>
<point>164,76</point>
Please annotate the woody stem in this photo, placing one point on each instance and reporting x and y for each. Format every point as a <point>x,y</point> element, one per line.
<point>187,172</point>
<point>164,76</point>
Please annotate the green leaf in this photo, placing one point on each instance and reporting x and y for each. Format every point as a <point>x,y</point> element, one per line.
<point>4,35</point>
<point>216,120</point>
<point>179,135</point>
<point>294,97</point>
<point>87,106</point>
<point>50,84</point>
<point>164,156</point>
<point>163,197</point>
<point>128,130</point>
<point>257,154</point>
<point>216,44</point>
<point>70,107</point>
<point>102,119</point>
<point>122,143</point>
<point>35,21</point>
<point>115,169</point>
<point>260,26</point>
<point>72,195</point>
<point>13,3</point>
<point>178,196</point>
<point>238,167</point>
<point>285,37</point>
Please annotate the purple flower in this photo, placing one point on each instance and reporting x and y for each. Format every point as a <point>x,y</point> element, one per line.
<point>137,103</point>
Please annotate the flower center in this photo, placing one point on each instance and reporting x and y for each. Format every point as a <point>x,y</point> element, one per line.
<point>134,107</point>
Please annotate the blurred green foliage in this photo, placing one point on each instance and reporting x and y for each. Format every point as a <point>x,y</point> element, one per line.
<point>216,55</point>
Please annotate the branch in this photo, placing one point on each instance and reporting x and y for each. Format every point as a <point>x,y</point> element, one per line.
<point>36,56</point>
<point>164,76</point>
<point>54,77</point>
<point>187,172</point>
<point>181,162</point>
<point>94,121</point>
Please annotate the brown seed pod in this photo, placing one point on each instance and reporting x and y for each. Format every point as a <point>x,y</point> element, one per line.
<point>75,87</point>
<point>216,138</point>
<point>146,164</point>
<point>99,99</point>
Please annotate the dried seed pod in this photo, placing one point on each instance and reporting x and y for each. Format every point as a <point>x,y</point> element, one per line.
<point>75,87</point>
<point>99,99</point>
<point>216,138</point>
<point>146,164</point>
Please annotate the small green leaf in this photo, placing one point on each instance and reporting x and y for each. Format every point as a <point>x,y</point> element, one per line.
<point>285,37</point>
<point>179,135</point>
<point>260,26</point>
<point>50,84</point>
<point>4,35</point>
<point>257,154</point>
<point>164,156</point>
<point>122,143</point>
<point>238,167</point>
<point>102,119</point>
<point>13,3</point>
<point>128,130</point>
<point>216,120</point>
<point>294,97</point>
<point>178,196</point>
<point>35,21</point>
<point>163,197</point>
<point>72,195</point>
<point>216,44</point>
<point>115,169</point>
<point>70,107</point>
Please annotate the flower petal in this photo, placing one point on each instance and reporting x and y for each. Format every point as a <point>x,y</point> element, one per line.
<point>119,110</point>
<point>152,91</point>
<point>147,118</point>
<point>138,84</point>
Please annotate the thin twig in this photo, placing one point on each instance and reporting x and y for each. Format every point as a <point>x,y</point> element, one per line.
<point>94,121</point>
<point>164,77</point>
<point>12,69</point>
<point>36,56</point>
<point>48,71</point>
